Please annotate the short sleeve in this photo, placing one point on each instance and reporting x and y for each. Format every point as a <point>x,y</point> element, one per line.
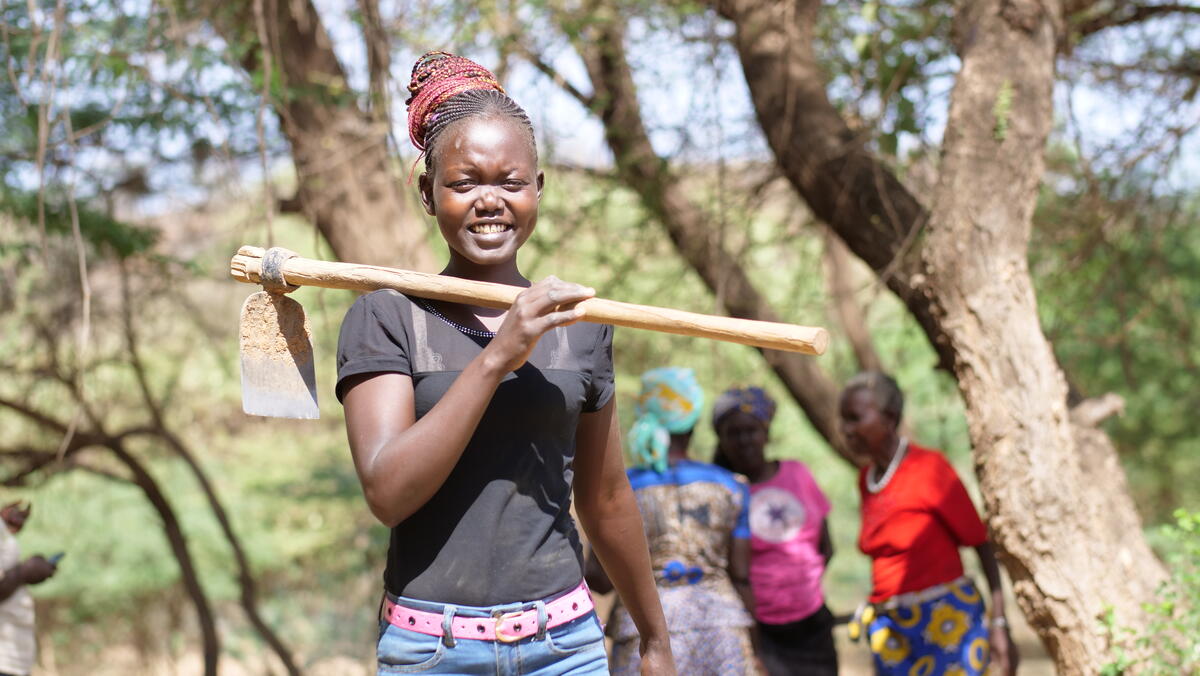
<point>952,504</point>
<point>372,339</point>
<point>742,528</point>
<point>600,384</point>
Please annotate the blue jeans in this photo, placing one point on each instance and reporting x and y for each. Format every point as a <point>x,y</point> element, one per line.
<point>575,648</point>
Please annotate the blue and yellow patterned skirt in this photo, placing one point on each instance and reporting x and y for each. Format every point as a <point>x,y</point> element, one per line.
<point>931,633</point>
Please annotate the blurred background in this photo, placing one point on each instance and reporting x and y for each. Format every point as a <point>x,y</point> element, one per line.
<point>143,143</point>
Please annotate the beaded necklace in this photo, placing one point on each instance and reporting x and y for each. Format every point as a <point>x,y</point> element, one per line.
<point>876,485</point>
<point>463,329</point>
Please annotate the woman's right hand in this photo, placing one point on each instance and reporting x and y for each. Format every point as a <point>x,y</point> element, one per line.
<point>535,311</point>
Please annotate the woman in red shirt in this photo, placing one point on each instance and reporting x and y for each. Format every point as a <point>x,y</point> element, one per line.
<point>928,617</point>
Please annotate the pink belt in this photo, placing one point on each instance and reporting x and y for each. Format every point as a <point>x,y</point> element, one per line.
<point>506,627</point>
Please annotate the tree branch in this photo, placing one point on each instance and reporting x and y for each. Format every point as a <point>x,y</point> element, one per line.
<point>601,46</point>
<point>1125,15</point>
<point>555,76</point>
<point>827,163</point>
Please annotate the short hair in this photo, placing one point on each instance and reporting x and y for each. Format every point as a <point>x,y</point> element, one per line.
<point>882,387</point>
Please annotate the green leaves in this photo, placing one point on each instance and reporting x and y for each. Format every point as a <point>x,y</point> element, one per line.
<point>105,234</point>
<point>1167,644</point>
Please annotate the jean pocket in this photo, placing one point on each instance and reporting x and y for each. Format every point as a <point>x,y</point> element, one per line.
<point>400,651</point>
<point>576,636</point>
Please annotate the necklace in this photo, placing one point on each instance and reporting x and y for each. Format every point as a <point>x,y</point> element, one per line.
<point>464,329</point>
<point>876,485</point>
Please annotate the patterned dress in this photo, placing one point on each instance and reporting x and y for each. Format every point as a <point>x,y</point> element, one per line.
<point>929,617</point>
<point>690,513</point>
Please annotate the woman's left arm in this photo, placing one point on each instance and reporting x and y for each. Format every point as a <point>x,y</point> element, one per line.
<point>1004,651</point>
<point>609,515</point>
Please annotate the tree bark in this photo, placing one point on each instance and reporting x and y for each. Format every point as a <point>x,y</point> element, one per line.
<point>1071,533</point>
<point>1056,498</point>
<point>842,182</point>
<point>347,186</point>
<point>614,101</point>
<point>841,292</point>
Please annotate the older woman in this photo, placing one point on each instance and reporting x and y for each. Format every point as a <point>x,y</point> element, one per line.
<point>926,617</point>
<point>789,541</point>
<point>696,525</point>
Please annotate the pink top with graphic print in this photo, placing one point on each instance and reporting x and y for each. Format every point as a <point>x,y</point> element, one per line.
<point>786,513</point>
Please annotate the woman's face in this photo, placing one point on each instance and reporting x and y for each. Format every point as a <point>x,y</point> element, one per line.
<point>867,429</point>
<point>742,438</point>
<point>484,189</point>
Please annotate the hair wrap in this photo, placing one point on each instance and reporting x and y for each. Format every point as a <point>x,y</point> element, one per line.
<point>436,78</point>
<point>670,403</point>
<point>752,400</point>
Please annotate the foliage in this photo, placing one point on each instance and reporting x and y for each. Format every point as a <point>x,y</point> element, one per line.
<point>1169,643</point>
<point>147,112</point>
<point>888,64</point>
<point>1117,267</point>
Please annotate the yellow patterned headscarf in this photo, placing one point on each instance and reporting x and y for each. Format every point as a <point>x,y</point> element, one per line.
<point>670,403</point>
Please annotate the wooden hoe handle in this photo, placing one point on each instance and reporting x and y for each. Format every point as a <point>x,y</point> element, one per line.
<point>246,266</point>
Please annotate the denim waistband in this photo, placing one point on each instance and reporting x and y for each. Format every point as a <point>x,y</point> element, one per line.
<point>474,611</point>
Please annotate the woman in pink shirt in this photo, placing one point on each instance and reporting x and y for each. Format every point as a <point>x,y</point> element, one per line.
<point>789,539</point>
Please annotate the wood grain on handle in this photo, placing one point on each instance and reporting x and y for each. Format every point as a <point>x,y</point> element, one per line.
<point>247,264</point>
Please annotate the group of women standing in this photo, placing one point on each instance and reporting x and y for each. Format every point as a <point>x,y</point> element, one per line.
<point>739,546</point>
<point>474,430</point>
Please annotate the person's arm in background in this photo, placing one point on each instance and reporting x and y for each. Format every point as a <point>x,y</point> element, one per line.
<point>739,570</point>
<point>953,506</point>
<point>739,574</point>
<point>609,515</point>
<point>33,570</point>
<point>825,544</point>
<point>593,573</point>
<point>1003,649</point>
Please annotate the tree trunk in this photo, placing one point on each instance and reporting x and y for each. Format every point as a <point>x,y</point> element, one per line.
<point>347,186</point>
<point>826,162</point>
<point>614,101</point>
<point>1071,533</point>
<point>1056,499</point>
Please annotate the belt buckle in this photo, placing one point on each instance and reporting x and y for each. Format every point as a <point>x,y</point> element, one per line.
<point>500,635</point>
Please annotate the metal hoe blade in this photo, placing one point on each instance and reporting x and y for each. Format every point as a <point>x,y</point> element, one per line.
<point>278,376</point>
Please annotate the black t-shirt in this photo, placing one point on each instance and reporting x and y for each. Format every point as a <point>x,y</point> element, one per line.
<point>499,530</point>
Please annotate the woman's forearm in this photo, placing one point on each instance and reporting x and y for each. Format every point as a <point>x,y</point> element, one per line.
<point>608,512</point>
<point>401,466</point>
<point>617,537</point>
<point>991,570</point>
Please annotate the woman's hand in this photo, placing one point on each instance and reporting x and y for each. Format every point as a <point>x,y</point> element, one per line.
<point>657,659</point>
<point>535,311</point>
<point>1003,649</point>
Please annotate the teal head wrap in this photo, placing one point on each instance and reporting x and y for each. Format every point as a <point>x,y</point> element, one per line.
<point>670,403</point>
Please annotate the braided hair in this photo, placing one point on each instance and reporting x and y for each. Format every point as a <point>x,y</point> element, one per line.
<point>446,89</point>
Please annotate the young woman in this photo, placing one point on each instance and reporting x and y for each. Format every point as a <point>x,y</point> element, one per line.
<point>927,617</point>
<point>469,427</point>
<point>789,541</point>
<point>696,523</point>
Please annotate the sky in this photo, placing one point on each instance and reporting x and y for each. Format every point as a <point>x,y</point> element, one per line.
<point>693,95</point>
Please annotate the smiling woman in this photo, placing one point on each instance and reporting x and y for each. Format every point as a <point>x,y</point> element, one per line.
<point>470,427</point>
<point>927,617</point>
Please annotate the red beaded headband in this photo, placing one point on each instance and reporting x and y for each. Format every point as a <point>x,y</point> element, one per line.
<point>436,77</point>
